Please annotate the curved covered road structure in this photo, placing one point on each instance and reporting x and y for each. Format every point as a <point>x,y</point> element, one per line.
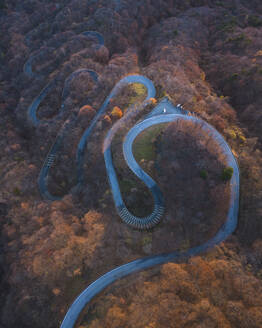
<point>124,270</point>
<point>130,219</point>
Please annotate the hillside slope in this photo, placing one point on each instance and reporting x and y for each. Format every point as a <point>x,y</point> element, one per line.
<point>206,55</point>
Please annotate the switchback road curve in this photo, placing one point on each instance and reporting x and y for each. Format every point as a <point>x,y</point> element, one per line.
<point>42,180</point>
<point>28,70</point>
<point>141,264</point>
<point>165,113</point>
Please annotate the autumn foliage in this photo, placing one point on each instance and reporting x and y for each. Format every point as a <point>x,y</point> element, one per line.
<point>116,112</point>
<point>153,100</point>
<point>205,55</point>
<point>86,110</point>
<point>202,293</point>
<point>107,120</point>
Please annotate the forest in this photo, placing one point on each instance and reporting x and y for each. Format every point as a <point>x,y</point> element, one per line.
<point>59,61</point>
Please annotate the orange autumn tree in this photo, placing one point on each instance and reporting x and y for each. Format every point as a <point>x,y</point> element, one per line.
<point>116,112</point>
<point>107,120</point>
<point>86,110</point>
<point>153,100</point>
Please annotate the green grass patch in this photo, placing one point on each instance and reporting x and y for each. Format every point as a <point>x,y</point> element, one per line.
<point>147,240</point>
<point>18,159</point>
<point>227,173</point>
<point>139,89</point>
<point>240,39</point>
<point>126,185</point>
<point>259,70</point>
<point>160,92</point>
<point>3,5</point>
<point>233,77</point>
<point>143,146</point>
<point>255,21</point>
<point>185,245</point>
<point>229,25</point>
<point>175,33</point>
<point>203,174</point>
<point>219,3</point>
<point>17,191</point>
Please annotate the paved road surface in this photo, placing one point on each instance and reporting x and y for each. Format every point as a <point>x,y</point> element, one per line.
<point>141,264</point>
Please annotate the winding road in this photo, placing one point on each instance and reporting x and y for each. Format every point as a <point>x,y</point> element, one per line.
<point>141,264</point>
<point>42,180</point>
<point>33,108</point>
<point>164,112</point>
<point>28,71</point>
<point>32,115</point>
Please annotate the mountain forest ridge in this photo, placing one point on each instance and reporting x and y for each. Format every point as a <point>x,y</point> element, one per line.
<point>205,55</point>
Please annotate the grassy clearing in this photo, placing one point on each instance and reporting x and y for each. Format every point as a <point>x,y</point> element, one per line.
<point>144,144</point>
<point>139,92</point>
<point>139,89</point>
<point>126,185</point>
